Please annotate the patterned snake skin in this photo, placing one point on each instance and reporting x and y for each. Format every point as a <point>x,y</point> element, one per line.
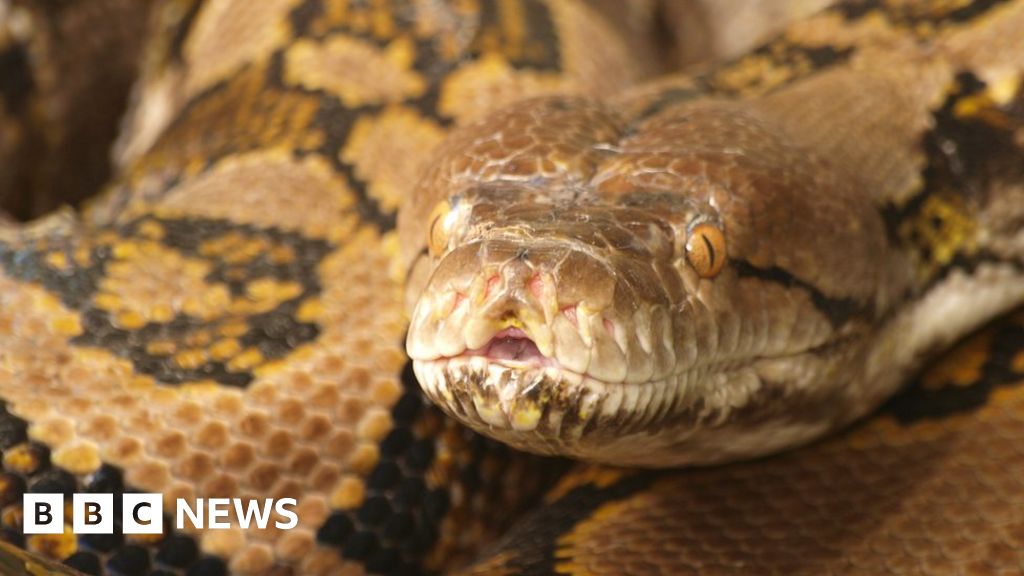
<point>227,319</point>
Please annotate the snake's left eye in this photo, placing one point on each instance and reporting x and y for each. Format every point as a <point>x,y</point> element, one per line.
<point>437,234</point>
<point>705,250</point>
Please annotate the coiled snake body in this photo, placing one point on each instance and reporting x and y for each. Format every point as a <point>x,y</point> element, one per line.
<point>703,269</point>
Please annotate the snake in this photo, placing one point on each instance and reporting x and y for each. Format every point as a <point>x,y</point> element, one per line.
<point>388,258</point>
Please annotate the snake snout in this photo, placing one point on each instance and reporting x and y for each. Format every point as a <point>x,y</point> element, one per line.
<point>543,341</point>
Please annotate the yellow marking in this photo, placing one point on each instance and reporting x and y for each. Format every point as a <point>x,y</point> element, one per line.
<point>1017,364</point>
<point>152,230</point>
<point>269,367</point>
<point>22,459</point>
<point>273,290</point>
<point>190,359</point>
<point>1008,398</point>
<point>125,249</point>
<point>82,256</point>
<point>760,73</point>
<point>599,476</point>
<point>129,320</point>
<point>107,301</point>
<point>364,458</point>
<point>349,494</point>
<point>375,425</point>
<point>56,546</point>
<point>223,123</point>
<point>527,417</point>
<point>247,360</point>
<point>233,328</point>
<point>58,260</point>
<point>943,226</point>
<point>382,20</point>
<point>225,348</point>
<point>960,367</point>
<point>310,311</point>
<point>141,383</point>
<point>12,516</point>
<point>161,347</point>
<point>1003,90</point>
<point>161,313</point>
<point>66,325</point>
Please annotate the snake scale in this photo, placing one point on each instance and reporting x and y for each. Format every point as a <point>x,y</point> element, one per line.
<point>229,318</point>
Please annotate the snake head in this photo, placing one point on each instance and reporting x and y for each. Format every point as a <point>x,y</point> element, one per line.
<point>633,294</point>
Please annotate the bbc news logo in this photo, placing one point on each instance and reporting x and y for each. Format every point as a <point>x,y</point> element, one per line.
<point>142,513</point>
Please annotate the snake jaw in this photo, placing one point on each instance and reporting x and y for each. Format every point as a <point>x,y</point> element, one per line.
<point>538,407</point>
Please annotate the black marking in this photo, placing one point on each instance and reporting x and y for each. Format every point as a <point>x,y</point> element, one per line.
<point>13,430</point>
<point>16,80</point>
<point>781,53</point>
<point>538,49</point>
<point>839,311</point>
<point>181,30</point>
<point>799,59</point>
<point>85,562</point>
<point>337,122</point>
<point>671,97</point>
<point>275,332</point>
<point>911,15</point>
<point>130,559</point>
<point>303,15</point>
<point>968,156</point>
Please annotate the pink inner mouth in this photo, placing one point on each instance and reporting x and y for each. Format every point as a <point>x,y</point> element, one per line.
<point>511,344</point>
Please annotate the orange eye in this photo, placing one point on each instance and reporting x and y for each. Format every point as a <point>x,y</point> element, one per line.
<point>437,234</point>
<point>705,250</point>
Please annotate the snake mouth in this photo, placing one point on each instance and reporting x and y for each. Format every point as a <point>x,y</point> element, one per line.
<point>519,400</point>
<point>509,390</point>
<point>514,348</point>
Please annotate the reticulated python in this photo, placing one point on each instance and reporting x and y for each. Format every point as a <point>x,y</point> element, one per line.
<point>707,268</point>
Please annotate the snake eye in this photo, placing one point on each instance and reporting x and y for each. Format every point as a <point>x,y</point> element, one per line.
<point>705,250</point>
<point>437,234</point>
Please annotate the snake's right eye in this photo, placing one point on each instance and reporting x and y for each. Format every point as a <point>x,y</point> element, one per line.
<point>705,250</point>
<point>438,233</point>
